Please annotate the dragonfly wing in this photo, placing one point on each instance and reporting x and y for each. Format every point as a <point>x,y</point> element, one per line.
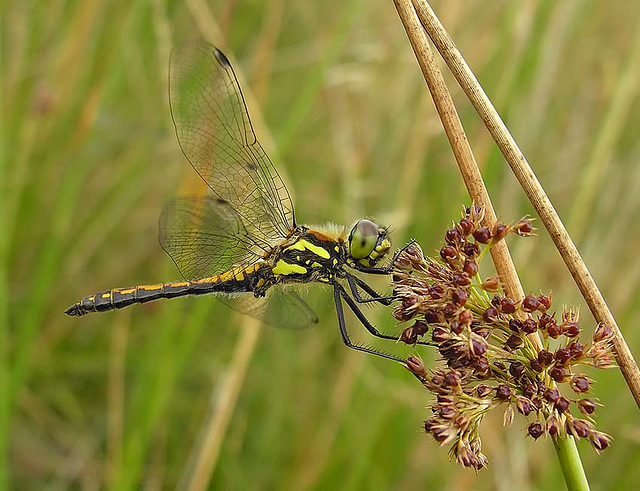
<point>279,308</point>
<point>215,133</point>
<point>204,236</point>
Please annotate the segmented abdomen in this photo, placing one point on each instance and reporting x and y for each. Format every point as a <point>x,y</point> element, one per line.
<point>233,281</point>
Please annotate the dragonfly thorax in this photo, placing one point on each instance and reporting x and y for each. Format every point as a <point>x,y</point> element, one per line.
<point>309,255</point>
<point>368,243</point>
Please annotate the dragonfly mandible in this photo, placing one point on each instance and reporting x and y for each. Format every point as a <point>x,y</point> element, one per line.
<point>241,240</point>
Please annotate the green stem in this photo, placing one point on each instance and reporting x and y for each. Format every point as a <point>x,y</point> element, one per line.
<point>570,462</point>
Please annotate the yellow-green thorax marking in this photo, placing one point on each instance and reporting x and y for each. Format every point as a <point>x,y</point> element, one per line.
<point>310,255</point>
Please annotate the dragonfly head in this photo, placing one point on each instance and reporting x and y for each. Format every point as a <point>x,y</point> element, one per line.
<point>368,242</point>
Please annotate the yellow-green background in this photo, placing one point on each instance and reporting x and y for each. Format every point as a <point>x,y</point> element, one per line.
<point>122,400</point>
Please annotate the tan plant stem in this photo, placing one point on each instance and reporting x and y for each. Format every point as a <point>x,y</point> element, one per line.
<point>564,447</point>
<point>461,148</point>
<point>531,186</point>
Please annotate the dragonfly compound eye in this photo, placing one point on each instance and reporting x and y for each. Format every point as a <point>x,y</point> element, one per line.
<point>363,239</point>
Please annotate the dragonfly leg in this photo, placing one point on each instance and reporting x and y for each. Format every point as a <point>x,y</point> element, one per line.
<point>363,319</point>
<point>355,282</point>
<point>337,296</point>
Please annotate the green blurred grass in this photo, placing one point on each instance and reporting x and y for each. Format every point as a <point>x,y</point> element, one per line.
<point>89,157</point>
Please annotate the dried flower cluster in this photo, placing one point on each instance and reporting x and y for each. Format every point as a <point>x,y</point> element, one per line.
<point>484,339</point>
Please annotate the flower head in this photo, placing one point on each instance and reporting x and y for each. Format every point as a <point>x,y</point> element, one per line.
<point>484,341</point>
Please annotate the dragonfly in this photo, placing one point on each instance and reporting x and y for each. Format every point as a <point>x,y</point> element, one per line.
<point>241,240</point>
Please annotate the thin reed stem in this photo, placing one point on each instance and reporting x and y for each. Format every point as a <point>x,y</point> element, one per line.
<point>532,188</point>
<point>565,447</point>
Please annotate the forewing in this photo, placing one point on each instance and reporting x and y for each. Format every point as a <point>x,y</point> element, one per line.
<point>214,130</point>
<point>205,236</point>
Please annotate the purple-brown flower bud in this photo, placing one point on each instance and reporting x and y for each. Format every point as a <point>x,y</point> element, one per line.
<point>481,366</point>
<point>448,253</point>
<point>523,228</point>
<point>409,302</point>
<point>429,425</point>
<point>431,316</point>
<point>535,430</point>
<point>580,383</point>
<point>554,330</point>
<point>516,369</point>
<point>507,305</point>
<point>471,250</point>
<point>416,366</point>
<point>466,226</point>
<point>545,357</point>
<point>491,284</point>
<point>571,329</point>
<point>470,268</point>
<point>459,297</point>
<point>491,314</point>
<point>514,342</point>
<point>536,366</point>
<point>483,390</point>
<point>561,404</point>
<point>530,303</point>
<point>537,402</point>
<point>545,319</point>
<point>452,379</point>
<point>557,373</point>
<point>482,235</point>
<point>515,325</point>
<point>545,302</point>
<point>602,332</point>
<point>465,317</point>
<point>477,345</point>
<point>529,326</point>
<point>461,280</point>
<point>420,327</point>
<point>553,425</point>
<point>500,231</point>
<point>453,236</point>
<point>529,389</point>
<point>587,406</point>
<point>579,428</point>
<point>441,434</point>
<point>503,392</point>
<point>437,292</point>
<point>524,405</point>
<point>576,349</point>
<point>456,327</point>
<point>449,310</point>
<point>440,335</point>
<point>562,356</point>
<point>448,412</point>
<point>599,440</point>
<point>409,336</point>
<point>551,394</point>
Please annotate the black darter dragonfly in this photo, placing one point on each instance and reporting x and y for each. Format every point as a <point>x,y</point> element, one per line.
<point>241,241</point>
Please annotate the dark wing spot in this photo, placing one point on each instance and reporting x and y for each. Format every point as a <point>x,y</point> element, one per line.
<point>224,61</point>
<point>252,166</point>
<point>221,201</point>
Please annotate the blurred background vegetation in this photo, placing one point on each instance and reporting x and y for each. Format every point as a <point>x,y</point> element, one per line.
<point>151,396</point>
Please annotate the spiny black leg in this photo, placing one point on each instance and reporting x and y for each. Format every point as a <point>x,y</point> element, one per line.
<point>363,319</point>
<point>345,335</point>
<point>355,282</point>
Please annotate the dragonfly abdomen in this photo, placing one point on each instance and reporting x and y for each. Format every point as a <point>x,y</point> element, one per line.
<point>232,281</point>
